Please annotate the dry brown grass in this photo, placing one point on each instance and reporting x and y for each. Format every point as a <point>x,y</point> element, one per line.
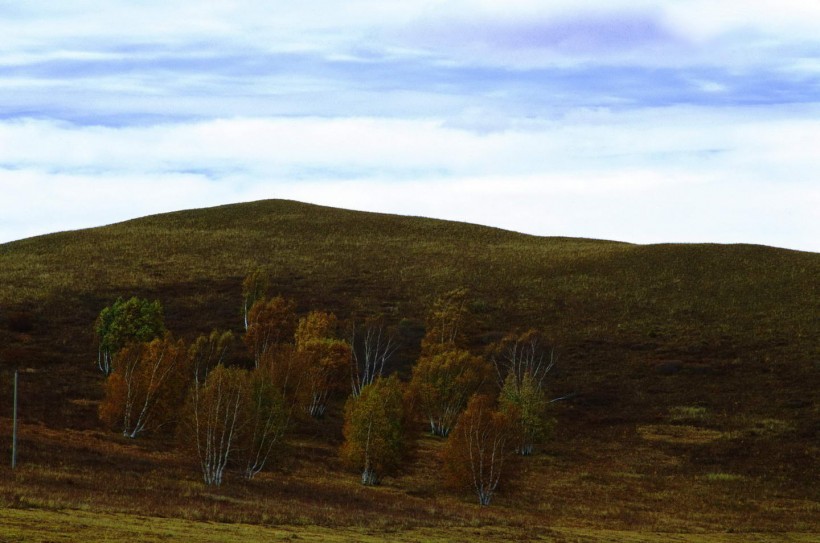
<point>692,369</point>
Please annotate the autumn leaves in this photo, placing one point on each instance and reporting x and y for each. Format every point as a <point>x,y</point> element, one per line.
<point>233,415</point>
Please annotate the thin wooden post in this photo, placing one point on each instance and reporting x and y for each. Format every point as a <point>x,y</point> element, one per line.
<point>14,427</point>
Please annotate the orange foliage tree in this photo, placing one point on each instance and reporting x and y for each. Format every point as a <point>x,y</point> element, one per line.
<point>212,419</point>
<point>478,453</point>
<point>147,386</point>
<point>234,417</point>
<point>270,323</point>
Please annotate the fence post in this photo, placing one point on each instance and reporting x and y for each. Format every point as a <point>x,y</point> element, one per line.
<point>14,427</point>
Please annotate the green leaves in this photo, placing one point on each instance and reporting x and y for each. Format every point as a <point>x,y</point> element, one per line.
<point>131,321</point>
<point>527,406</point>
<point>374,429</point>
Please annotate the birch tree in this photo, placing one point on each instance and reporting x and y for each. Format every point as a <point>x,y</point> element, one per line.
<point>374,431</point>
<point>522,354</point>
<point>477,455</point>
<point>207,352</point>
<point>265,418</point>
<point>325,359</point>
<point>372,345</point>
<point>447,322</point>
<point>147,386</point>
<point>126,321</point>
<point>212,420</point>
<point>522,361</point>
<point>270,322</point>
<point>254,288</point>
<point>442,384</point>
<point>527,407</point>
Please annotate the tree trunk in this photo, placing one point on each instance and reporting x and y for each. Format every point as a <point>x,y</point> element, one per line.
<point>484,497</point>
<point>526,449</point>
<point>369,477</point>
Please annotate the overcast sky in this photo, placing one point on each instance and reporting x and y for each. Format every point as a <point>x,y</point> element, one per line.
<point>674,121</point>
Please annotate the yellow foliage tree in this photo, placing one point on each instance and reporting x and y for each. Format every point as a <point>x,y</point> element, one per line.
<point>447,322</point>
<point>443,382</point>
<point>325,359</point>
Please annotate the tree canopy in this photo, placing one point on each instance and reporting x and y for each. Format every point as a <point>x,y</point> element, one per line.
<point>477,455</point>
<point>147,385</point>
<point>126,321</point>
<point>375,438</point>
<point>443,382</point>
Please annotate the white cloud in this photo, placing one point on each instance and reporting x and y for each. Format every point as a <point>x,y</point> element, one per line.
<point>675,174</point>
<point>82,28</point>
<point>471,109</point>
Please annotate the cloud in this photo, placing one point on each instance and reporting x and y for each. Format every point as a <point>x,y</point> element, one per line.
<point>632,119</point>
<point>675,174</point>
<point>551,38</point>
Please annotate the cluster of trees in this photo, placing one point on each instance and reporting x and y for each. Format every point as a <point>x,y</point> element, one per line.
<point>490,408</point>
<point>229,415</point>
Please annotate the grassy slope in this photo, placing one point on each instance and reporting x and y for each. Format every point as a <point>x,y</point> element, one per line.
<point>733,429</point>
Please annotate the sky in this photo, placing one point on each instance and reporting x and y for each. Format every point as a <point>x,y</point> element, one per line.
<point>647,122</point>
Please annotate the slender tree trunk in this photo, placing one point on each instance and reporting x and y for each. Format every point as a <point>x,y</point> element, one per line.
<point>369,477</point>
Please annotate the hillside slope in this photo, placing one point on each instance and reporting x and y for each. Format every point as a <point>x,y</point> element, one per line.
<point>697,359</point>
<point>752,305</point>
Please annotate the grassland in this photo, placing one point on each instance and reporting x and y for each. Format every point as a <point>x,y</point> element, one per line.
<point>693,371</point>
<point>65,526</point>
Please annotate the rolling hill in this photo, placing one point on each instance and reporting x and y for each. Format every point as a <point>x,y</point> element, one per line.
<point>693,369</point>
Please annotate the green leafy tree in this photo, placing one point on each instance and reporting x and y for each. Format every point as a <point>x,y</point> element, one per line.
<point>265,417</point>
<point>126,321</point>
<point>527,408</point>
<point>442,383</point>
<point>478,454</point>
<point>375,439</point>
